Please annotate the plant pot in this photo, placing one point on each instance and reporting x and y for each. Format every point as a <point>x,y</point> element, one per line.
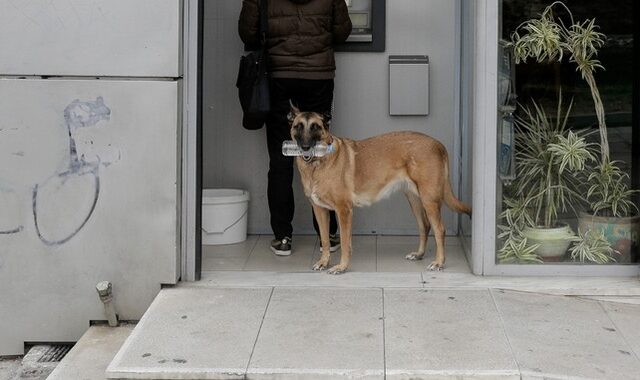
<point>622,233</point>
<point>554,242</point>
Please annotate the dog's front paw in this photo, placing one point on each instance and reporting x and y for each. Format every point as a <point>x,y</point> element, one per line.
<point>321,265</point>
<point>435,266</point>
<point>337,269</point>
<point>413,256</point>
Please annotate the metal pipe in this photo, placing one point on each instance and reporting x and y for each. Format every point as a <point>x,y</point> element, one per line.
<point>105,291</point>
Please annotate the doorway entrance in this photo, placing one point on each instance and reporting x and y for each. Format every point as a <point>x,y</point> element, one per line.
<point>235,158</point>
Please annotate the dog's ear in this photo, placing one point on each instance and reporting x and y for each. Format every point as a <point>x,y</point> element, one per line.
<point>326,119</point>
<point>293,112</point>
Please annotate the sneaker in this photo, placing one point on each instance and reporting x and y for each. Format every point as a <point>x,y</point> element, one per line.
<point>334,243</point>
<point>281,247</point>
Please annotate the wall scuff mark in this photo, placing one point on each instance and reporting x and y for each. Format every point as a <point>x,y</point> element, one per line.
<point>75,188</point>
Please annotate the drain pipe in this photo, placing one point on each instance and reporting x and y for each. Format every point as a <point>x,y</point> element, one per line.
<point>105,291</point>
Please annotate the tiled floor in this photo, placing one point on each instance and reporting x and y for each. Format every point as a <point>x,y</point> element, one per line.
<point>370,254</point>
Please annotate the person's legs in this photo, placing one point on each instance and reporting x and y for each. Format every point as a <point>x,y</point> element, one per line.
<point>280,177</point>
<point>333,223</point>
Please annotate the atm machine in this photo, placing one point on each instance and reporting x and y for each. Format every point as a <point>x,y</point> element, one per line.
<point>360,14</point>
<point>368,20</point>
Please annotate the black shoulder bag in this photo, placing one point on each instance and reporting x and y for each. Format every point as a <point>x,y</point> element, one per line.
<point>253,79</point>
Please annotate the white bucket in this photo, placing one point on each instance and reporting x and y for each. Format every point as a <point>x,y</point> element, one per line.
<point>224,216</point>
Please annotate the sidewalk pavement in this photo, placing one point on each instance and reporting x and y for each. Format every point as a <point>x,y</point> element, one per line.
<point>374,326</point>
<point>376,333</point>
<point>9,367</point>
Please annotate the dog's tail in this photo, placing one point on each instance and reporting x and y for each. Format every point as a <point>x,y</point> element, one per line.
<point>449,197</point>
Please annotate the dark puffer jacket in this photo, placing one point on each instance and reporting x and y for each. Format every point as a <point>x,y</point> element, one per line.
<point>301,35</point>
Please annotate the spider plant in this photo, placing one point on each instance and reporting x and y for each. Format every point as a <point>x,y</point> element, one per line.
<point>591,246</point>
<point>548,38</point>
<point>608,194</point>
<point>549,158</point>
<point>516,248</point>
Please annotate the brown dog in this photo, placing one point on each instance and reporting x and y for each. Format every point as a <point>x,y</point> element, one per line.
<point>359,173</point>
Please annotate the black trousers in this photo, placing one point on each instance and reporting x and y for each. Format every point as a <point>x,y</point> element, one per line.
<point>307,95</point>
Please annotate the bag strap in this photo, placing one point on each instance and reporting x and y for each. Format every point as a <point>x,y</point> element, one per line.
<point>264,22</point>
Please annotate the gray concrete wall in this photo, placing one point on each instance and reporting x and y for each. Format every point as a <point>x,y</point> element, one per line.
<point>88,167</point>
<point>234,157</point>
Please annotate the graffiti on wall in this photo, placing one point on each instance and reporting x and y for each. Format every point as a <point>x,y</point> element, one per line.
<point>60,181</point>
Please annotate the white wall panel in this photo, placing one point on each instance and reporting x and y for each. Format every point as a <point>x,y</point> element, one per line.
<point>87,193</point>
<point>96,38</point>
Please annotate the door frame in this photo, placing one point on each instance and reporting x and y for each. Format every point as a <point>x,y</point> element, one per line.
<point>486,18</point>
<point>190,230</point>
<point>190,144</point>
<point>485,102</point>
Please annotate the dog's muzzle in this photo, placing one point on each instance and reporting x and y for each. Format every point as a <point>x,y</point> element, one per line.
<point>307,155</point>
<point>308,151</point>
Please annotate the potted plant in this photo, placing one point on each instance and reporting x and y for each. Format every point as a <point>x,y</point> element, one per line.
<point>612,211</point>
<point>549,158</point>
<point>589,246</point>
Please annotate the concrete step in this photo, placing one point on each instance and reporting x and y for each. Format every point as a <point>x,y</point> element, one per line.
<point>616,287</point>
<point>375,333</point>
<point>190,333</point>
<point>89,358</point>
